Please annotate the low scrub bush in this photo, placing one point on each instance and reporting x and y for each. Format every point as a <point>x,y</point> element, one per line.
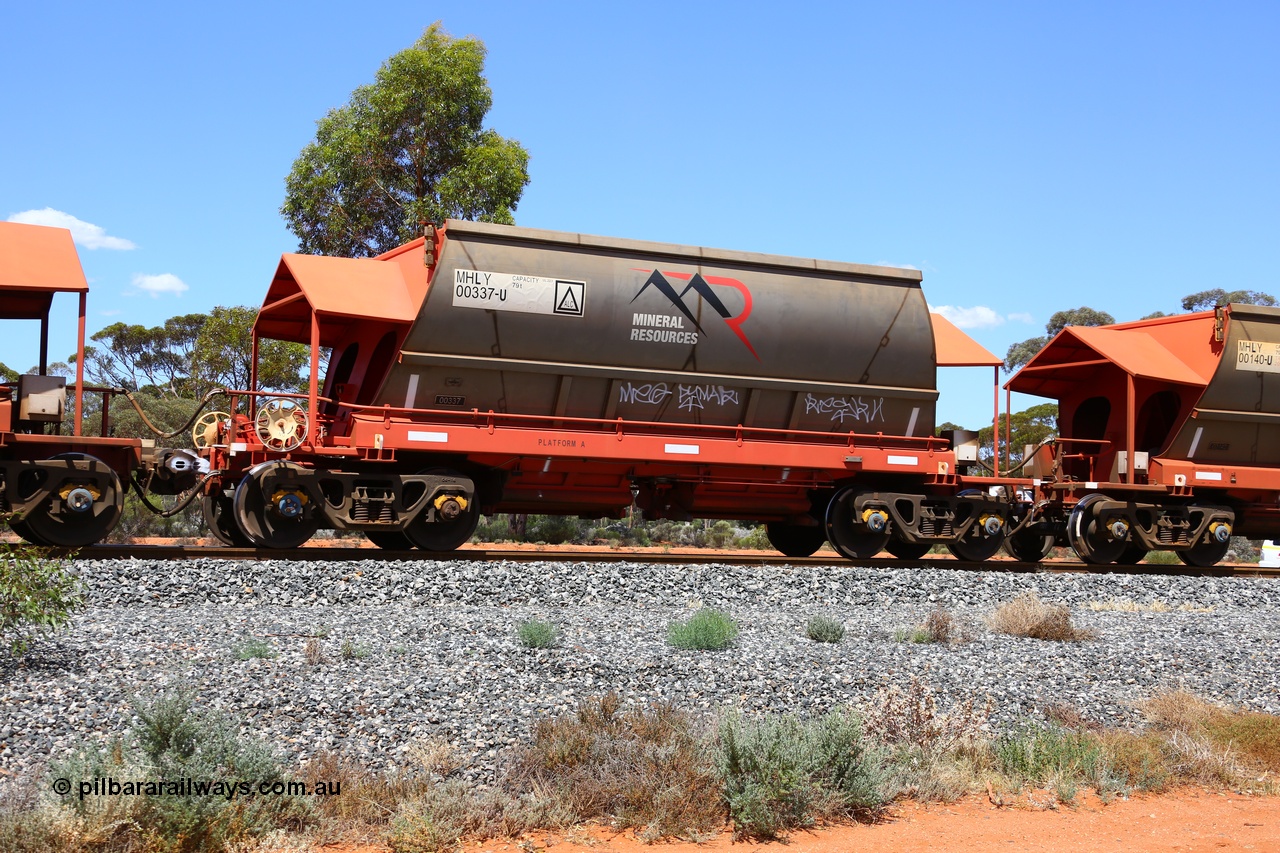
<point>824,629</point>
<point>938,627</point>
<point>493,528</point>
<point>1141,761</point>
<point>706,630</point>
<point>1058,758</point>
<point>556,529</point>
<point>780,773</point>
<point>646,769</point>
<point>252,647</point>
<point>173,742</point>
<point>910,717</point>
<point>37,597</point>
<point>537,634</point>
<point>1216,744</point>
<point>1028,616</point>
<point>720,534</point>
<point>755,539</point>
<point>351,650</point>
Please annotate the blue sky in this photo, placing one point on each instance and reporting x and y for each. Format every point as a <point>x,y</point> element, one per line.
<point>1028,157</point>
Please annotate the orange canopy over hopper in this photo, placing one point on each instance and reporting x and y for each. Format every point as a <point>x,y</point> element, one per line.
<point>956,349</point>
<point>1168,349</point>
<point>336,290</point>
<point>36,262</point>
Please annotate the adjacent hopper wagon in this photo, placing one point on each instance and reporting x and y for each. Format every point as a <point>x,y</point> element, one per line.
<point>1169,437</point>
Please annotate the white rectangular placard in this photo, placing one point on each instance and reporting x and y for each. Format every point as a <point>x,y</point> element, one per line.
<point>528,294</point>
<point>1258,355</point>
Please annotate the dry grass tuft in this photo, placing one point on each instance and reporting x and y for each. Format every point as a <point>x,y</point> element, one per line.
<point>938,627</point>
<point>646,769</point>
<point>1141,760</point>
<point>1124,605</point>
<point>910,717</point>
<point>1069,718</point>
<point>941,627</point>
<point>1217,744</point>
<point>1028,616</point>
<point>313,652</point>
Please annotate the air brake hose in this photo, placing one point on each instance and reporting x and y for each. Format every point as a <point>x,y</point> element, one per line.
<point>181,505</point>
<point>1048,439</point>
<point>180,430</point>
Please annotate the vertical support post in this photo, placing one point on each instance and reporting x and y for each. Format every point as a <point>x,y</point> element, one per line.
<point>1130,428</point>
<point>995,421</point>
<point>1008,427</point>
<point>253,370</point>
<point>313,390</point>
<point>44,344</point>
<point>76,428</point>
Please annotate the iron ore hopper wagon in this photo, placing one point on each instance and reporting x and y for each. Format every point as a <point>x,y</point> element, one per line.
<point>488,368</point>
<point>1169,438</point>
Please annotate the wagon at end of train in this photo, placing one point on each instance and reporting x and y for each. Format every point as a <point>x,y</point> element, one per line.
<point>58,485</point>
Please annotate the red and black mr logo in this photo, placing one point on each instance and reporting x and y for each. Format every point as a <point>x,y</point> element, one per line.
<point>702,286</point>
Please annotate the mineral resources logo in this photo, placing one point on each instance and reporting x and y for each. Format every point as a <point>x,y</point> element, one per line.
<point>664,328</point>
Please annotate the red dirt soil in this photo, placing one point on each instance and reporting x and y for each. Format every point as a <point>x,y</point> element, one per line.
<point>1189,821</point>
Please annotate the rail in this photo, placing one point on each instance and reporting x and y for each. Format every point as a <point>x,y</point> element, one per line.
<point>315,552</point>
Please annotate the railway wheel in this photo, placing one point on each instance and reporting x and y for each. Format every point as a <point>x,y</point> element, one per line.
<point>1092,542</point>
<point>1029,546</point>
<point>218,509</point>
<point>270,511</point>
<point>389,540</point>
<point>1205,553</point>
<point>795,540</point>
<point>983,539</point>
<point>24,530</point>
<point>856,539</point>
<point>447,535</point>
<point>1133,554</point>
<point>82,510</point>
<point>907,550</point>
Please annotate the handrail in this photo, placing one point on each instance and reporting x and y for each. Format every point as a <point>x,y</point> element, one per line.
<point>490,420</point>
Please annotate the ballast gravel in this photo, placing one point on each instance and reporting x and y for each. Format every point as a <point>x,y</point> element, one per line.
<point>403,653</point>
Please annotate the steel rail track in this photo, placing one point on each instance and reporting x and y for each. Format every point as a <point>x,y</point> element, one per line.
<point>684,557</point>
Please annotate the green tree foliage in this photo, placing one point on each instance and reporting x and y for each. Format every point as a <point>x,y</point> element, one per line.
<point>137,357</point>
<point>409,148</point>
<point>1028,427</point>
<point>1020,353</point>
<point>188,356</point>
<point>223,348</point>
<point>7,373</point>
<point>1023,351</point>
<point>1082,316</point>
<point>1208,299</point>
